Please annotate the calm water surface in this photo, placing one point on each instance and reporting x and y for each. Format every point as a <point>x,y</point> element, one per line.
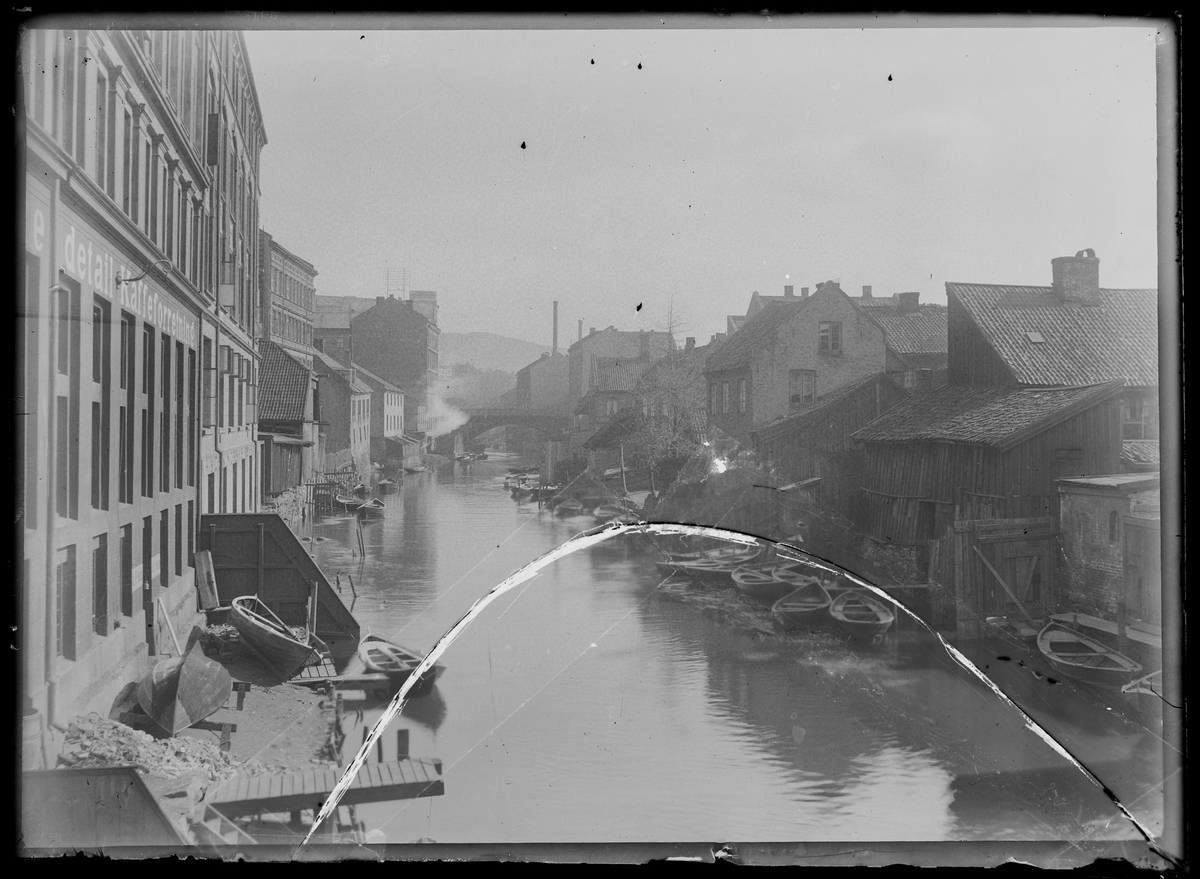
<point>591,705</point>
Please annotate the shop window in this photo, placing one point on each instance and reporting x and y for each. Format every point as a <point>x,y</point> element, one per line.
<point>100,585</point>
<point>64,603</point>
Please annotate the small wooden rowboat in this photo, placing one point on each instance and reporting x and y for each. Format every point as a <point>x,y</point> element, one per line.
<point>419,468</point>
<point>806,606</point>
<point>386,485</point>
<point>184,690</point>
<point>276,644</point>
<point>861,614</point>
<point>769,583</point>
<point>726,554</point>
<point>569,507</point>
<point>373,507</point>
<point>608,512</point>
<point>383,657</point>
<point>1075,655</point>
<point>348,501</point>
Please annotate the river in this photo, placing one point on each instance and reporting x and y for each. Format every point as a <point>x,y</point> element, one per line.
<point>597,704</point>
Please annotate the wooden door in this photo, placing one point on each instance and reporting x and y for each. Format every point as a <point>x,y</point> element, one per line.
<point>1015,575</point>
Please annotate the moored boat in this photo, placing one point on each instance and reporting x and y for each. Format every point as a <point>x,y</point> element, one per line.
<point>417,468</point>
<point>386,485</point>
<point>283,650</point>
<point>807,606</point>
<point>349,502</point>
<point>569,507</point>
<point>183,690</point>
<point>383,657</point>
<point>1082,658</point>
<point>373,507</point>
<point>768,583</point>
<point>860,614</point>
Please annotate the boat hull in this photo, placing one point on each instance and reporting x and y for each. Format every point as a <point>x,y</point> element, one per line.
<point>282,653</point>
<point>806,606</point>
<point>1079,657</point>
<point>860,614</point>
<point>768,584</point>
<point>383,657</point>
<point>183,690</point>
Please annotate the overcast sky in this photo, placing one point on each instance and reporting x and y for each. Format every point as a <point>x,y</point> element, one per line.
<point>700,165</point>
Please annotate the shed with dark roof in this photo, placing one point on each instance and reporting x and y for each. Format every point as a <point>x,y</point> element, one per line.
<point>989,451</point>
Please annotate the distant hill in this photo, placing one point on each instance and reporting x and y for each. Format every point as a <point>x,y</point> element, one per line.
<point>487,351</point>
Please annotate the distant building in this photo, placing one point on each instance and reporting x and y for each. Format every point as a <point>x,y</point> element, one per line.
<point>789,354</point>
<point>387,412</point>
<point>288,298</point>
<point>613,390</point>
<point>1072,332</point>
<point>606,347</point>
<point>395,339</point>
<point>345,411</point>
<point>544,383</point>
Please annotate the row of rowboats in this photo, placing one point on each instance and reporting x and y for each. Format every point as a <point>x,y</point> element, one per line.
<point>796,598</point>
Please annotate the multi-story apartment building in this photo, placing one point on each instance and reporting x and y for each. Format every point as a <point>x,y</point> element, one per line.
<point>136,319</point>
<point>600,349</point>
<point>288,298</point>
<point>345,414</point>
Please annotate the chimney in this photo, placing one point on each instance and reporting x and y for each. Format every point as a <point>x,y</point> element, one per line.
<point>689,344</point>
<point>581,329</point>
<point>718,337</point>
<point>803,292</point>
<point>866,291</point>
<point>591,331</point>
<point>554,345</point>
<point>379,300</point>
<point>1077,278</point>
<point>545,356</point>
<point>910,302</point>
<point>787,291</point>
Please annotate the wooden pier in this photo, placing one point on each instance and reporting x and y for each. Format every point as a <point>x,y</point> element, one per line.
<point>286,792</point>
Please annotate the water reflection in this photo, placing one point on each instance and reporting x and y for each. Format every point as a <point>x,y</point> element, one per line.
<point>595,703</point>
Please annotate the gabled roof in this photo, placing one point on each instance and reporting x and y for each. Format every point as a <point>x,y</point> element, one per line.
<point>283,384</point>
<point>743,346</point>
<point>917,332</point>
<point>693,361</point>
<point>333,366</point>
<point>814,413</point>
<point>387,385</point>
<point>1081,344</point>
<point>986,416</point>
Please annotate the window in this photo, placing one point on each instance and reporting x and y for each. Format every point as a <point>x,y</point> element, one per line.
<point>191,532</point>
<point>803,387</point>
<point>100,585</point>
<point>178,540</point>
<point>64,603</point>
<point>67,398</point>
<point>125,438</point>
<point>830,338</point>
<point>725,397</point>
<point>741,395</point>
<point>165,452</point>
<point>101,375</point>
<point>28,324</point>
<point>207,378</point>
<point>179,379</point>
<point>611,406</point>
<point>1112,527</point>
<point>126,550</point>
<point>164,547</point>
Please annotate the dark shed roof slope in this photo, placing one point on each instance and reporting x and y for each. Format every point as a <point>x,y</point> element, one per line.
<point>282,385</point>
<point>987,416</point>
<point>743,346</point>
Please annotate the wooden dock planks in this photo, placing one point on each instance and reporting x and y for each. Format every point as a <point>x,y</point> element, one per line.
<point>375,782</point>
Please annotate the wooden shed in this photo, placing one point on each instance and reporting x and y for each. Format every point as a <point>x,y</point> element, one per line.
<point>815,442</point>
<point>987,452</point>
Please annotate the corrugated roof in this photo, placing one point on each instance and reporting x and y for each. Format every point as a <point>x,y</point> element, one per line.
<point>917,332</point>
<point>282,384</point>
<point>1081,344</point>
<point>1140,451</point>
<point>810,414</point>
<point>743,346</point>
<point>989,416</point>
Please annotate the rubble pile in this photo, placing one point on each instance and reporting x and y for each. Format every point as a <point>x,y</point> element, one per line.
<point>93,740</point>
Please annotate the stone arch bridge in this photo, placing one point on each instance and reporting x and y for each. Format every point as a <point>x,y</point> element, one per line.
<point>552,425</point>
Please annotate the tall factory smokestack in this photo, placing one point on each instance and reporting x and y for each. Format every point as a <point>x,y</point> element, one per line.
<point>554,347</point>
<point>580,330</point>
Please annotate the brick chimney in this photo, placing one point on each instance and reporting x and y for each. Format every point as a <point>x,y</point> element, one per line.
<point>803,292</point>
<point>580,330</point>
<point>910,302</point>
<point>718,337</point>
<point>787,291</point>
<point>866,291</point>
<point>1077,278</point>
<point>689,344</point>
<point>591,331</point>
<point>379,300</point>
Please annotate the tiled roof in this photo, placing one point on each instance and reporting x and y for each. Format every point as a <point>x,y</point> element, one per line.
<point>744,345</point>
<point>1140,451</point>
<point>282,385</point>
<point>988,416</point>
<point>810,414</point>
<point>917,332</point>
<point>1083,344</point>
<point>621,376</point>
